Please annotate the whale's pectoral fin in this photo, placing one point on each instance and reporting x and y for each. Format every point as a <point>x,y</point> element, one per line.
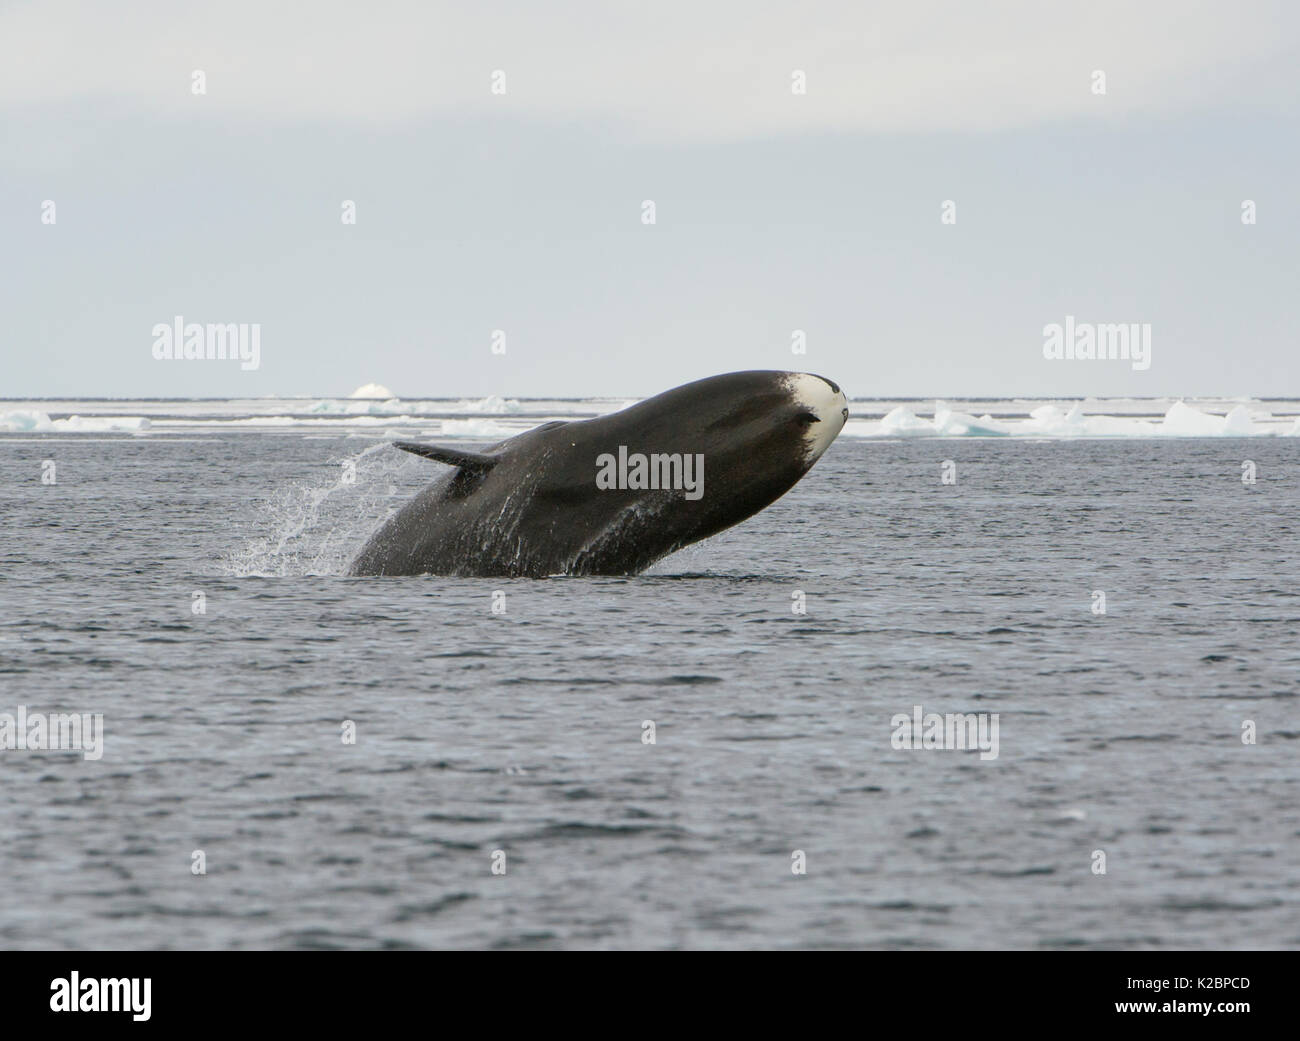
<point>474,462</point>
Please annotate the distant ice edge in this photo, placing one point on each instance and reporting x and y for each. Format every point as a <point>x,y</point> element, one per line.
<point>1181,420</point>
<point>494,418</point>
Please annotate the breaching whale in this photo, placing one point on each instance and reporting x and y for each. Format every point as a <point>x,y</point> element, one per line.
<point>610,496</point>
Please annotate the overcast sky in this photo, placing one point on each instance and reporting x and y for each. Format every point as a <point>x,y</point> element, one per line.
<point>523,211</point>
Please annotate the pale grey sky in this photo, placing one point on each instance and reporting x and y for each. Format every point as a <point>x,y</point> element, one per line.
<point>522,211</point>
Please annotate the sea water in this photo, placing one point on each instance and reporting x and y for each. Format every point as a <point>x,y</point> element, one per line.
<point>499,789</point>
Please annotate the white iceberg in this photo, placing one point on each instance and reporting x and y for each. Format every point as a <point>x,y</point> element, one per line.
<point>371,390</point>
<point>1238,423</point>
<point>948,423</point>
<point>1182,420</point>
<point>29,420</point>
<point>901,420</point>
<point>23,420</point>
<point>491,405</point>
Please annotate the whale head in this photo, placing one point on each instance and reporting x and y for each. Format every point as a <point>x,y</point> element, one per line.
<point>759,423</point>
<point>823,411</point>
<point>754,435</point>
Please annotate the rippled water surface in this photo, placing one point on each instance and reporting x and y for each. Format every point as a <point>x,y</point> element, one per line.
<point>522,731</point>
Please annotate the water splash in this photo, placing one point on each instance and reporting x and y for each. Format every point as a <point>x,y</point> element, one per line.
<point>316,529</point>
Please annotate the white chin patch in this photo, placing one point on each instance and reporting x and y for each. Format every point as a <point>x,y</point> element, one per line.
<point>814,394</point>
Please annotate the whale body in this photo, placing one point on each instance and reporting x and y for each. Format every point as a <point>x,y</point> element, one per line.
<point>612,495</point>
